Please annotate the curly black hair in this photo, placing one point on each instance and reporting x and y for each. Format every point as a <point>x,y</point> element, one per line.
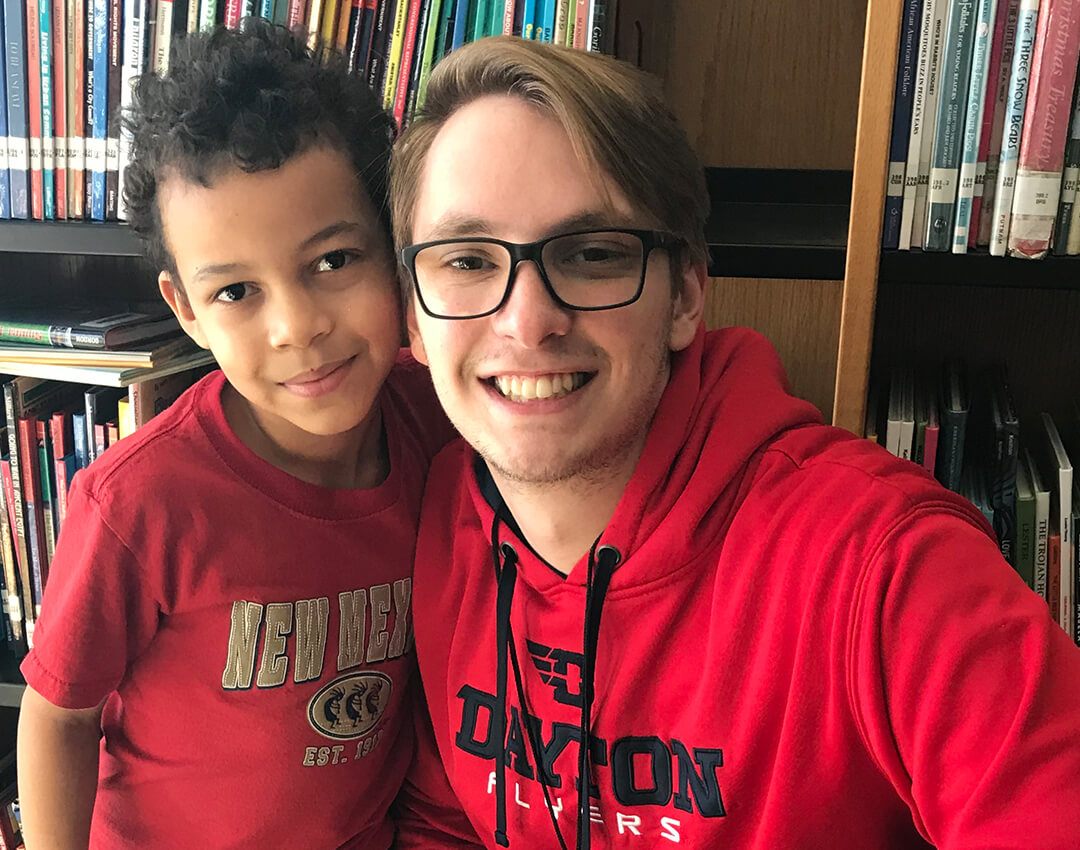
<point>250,98</point>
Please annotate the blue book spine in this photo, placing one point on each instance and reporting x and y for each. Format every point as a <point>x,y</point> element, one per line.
<point>528,19</point>
<point>48,144</point>
<point>78,426</point>
<point>901,123</point>
<point>5,183</point>
<point>973,120</point>
<point>97,143</point>
<point>1009,158</point>
<point>547,22</point>
<point>461,15</point>
<point>18,117</point>
<point>266,9</point>
<point>945,160</point>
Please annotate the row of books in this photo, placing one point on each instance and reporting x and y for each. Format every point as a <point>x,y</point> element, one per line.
<point>10,814</point>
<point>982,153</point>
<point>52,429</point>
<point>963,428</point>
<point>68,67</point>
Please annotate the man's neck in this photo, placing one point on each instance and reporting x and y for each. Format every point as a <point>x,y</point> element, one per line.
<point>561,521</point>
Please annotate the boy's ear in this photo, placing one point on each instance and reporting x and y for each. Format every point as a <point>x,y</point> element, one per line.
<point>176,299</point>
<point>416,342</point>
<point>688,306</point>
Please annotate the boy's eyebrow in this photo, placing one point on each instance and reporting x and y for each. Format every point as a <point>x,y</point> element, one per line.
<point>328,232</point>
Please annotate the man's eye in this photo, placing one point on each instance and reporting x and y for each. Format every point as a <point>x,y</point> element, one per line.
<point>232,292</point>
<point>334,260</point>
<point>467,264</point>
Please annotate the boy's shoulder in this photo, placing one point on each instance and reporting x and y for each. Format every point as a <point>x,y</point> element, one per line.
<point>160,452</point>
<point>410,404</point>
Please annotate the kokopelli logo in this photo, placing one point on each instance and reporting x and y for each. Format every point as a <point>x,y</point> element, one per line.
<point>350,706</point>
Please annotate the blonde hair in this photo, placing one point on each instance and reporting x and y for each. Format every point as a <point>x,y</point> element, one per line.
<point>614,115</point>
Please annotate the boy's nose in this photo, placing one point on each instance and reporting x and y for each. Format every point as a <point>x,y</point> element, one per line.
<point>297,319</point>
<point>530,315</point>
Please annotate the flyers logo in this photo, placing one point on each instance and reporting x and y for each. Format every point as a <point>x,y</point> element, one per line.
<point>350,706</point>
<point>554,666</point>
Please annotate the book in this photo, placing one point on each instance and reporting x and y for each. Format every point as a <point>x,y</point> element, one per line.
<point>33,77</point>
<point>208,15</point>
<point>26,590</point>
<point>995,50</point>
<point>972,125</point>
<point>901,123</point>
<point>78,438</point>
<point>953,415</point>
<point>1061,470</point>
<point>1000,80</point>
<point>101,407</point>
<point>417,9</point>
<point>461,20</point>
<point>918,104</point>
<point>895,421</point>
<point>545,21</point>
<point>76,107</point>
<point>528,20</point>
<point>581,25</point>
<point>232,14</point>
<point>1042,148</point>
<point>314,17</point>
<point>945,161</point>
<point>12,595</point>
<point>84,325</point>
<point>479,19</point>
<point>1053,575</point>
<point>510,11</point>
<point>59,110</point>
<point>114,105</point>
<point>382,25</point>
<point>416,61</point>
<point>5,185</point>
<point>163,28</point>
<point>1006,446</point>
<point>562,20</point>
<point>48,137</point>
<point>137,28</point>
<point>361,46</point>
<point>394,50</point>
<point>929,120</point>
<point>600,35</point>
<point>98,100</point>
<point>435,34</point>
<point>1027,24</point>
<point>108,376</point>
<point>18,128</point>
<point>1059,243</point>
<point>926,425</point>
<point>47,472</point>
<point>1042,523</point>
<point>60,426</point>
<point>155,354</point>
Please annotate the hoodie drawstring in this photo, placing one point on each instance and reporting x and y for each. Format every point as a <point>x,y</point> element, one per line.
<point>602,563</point>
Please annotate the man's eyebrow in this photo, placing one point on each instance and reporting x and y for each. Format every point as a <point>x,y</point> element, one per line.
<point>454,225</point>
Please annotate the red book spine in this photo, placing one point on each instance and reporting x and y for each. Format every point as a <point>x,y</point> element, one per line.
<point>930,445</point>
<point>232,14</point>
<point>297,13</point>
<point>405,72</point>
<point>60,95</point>
<point>77,147</point>
<point>33,79</point>
<point>508,18</point>
<point>61,449</point>
<point>581,25</point>
<point>31,487</point>
<point>1046,122</point>
<point>1053,577</point>
<point>9,498</point>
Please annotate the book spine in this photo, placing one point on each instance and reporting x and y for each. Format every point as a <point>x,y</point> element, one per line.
<point>314,16</point>
<point>26,585</point>
<point>1063,225</point>
<point>1042,539</point>
<point>1011,10</point>
<point>48,136</point>
<point>581,25</point>
<point>361,49</point>
<point>918,104</point>
<point>1026,27</point>
<point>509,8</point>
<point>78,432</point>
<point>61,455</point>
<point>266,10</point>
<point>461,20</point>
<point>60,101</point>
<point>31,493</point>
<point>232,14</point>
<point>427,61</point>
<point>1066,610</point>
<point>973,120</point>
<point>118,12</point>
<point>296,14</point>
<point>1042,149</point>
<point>926,145</point>
<point>46,471</point>
<point>562,20</point>
<point>601,35</point>
<point>393,53</point>
<point>191,22</point>
<point>18,133</point>
<point>528,21</point>
<point>328,22</point>
<point>379,39</point>
<point>100,94</point>
<point>134,58</point>
<point>1053,577</point>
<point>930,448</point>
<point>12,599</point>
<point>76,103</point>
<point>416,61</point>
<point>33,76</point>
<point>163,36</point>
<point>208,15</point>
<point>994,50</point>
<point>948,136</point>
<point>344,28</point>
<point>5,184</point>
<point>408,55</point>
<point>901,123</point>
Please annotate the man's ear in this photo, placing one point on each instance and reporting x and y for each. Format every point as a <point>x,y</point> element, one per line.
<point>416,342</point>
<point>688,306</point>
<point>176,299</point>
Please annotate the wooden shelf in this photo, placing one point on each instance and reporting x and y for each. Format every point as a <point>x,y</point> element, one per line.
<point>978,268</point>
<point>69,237</point>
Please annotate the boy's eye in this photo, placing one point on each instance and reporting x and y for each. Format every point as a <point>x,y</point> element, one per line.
<point>232,292</point>
<point>333,261</point>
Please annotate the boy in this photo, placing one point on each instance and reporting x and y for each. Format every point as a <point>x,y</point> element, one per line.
<point>228,609</point>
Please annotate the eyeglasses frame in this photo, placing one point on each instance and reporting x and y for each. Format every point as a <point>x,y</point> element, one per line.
<point>520,252</point>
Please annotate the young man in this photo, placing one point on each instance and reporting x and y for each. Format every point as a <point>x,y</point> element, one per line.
<point>657,600</point>
<point>229,606</point>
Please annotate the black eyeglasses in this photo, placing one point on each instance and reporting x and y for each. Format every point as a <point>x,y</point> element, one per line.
<point>586,270</point>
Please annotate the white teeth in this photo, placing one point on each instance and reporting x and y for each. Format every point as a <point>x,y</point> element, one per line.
<point>523,388</point>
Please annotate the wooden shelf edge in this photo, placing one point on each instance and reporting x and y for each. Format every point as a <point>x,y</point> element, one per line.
<point>69,237</point>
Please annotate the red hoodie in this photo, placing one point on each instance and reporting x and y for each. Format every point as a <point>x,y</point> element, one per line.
<point>795,641</point>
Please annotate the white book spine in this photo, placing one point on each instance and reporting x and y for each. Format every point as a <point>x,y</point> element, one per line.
<point>918,116</point>
<point>1001,95</point>
<point>193,15</point>
<point>1014,125</point>
<point>973,120</point>
<point>135,15</point>
<point>926,146</point>
<point>163,36</point>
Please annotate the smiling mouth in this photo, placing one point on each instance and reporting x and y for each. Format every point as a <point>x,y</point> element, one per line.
<point>525,388</point>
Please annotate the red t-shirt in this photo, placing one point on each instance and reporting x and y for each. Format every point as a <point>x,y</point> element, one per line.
<point>250,631</point>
